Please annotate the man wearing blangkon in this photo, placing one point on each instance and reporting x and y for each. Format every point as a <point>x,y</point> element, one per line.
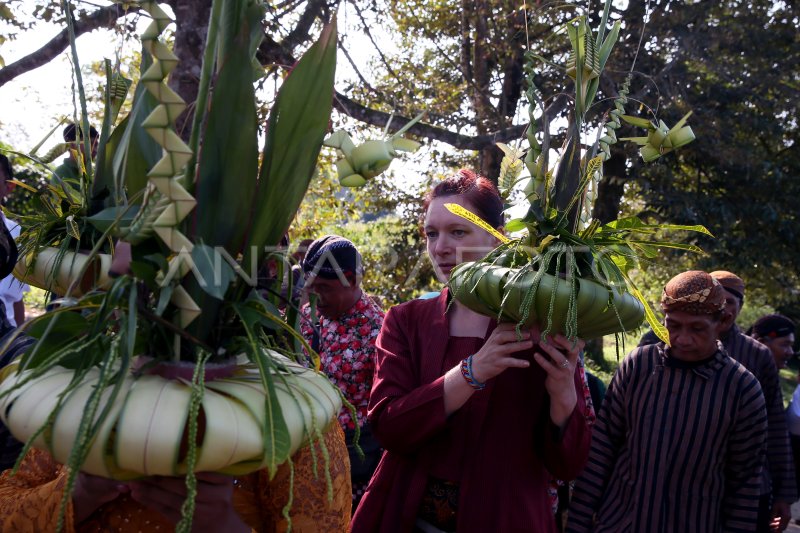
<point>679,442</point>
<point>778,488</point>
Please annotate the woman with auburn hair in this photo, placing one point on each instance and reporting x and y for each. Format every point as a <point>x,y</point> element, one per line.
<point>474,419</point>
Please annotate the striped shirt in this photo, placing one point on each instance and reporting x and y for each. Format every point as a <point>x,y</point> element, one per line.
<point>758,360</point>
<point>674,449</point>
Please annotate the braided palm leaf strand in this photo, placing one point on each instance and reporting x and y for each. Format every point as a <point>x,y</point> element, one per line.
<point>165,174</point>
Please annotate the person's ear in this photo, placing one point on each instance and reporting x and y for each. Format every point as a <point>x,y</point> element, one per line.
<point>726,321</point>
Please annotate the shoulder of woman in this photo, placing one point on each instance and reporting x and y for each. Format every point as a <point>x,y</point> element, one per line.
<point>418,307</point>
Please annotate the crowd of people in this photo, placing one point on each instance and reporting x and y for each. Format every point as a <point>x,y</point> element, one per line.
<point>458,423</point>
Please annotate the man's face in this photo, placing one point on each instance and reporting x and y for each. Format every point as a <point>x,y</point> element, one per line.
<point>692,337</point>
<point>79,147</point>
<point>731,311</point>
<point>334,296</point>
<point>782,349</point>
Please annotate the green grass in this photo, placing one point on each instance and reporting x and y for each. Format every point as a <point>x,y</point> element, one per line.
<point>605,370</point>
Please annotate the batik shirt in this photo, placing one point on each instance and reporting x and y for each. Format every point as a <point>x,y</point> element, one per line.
<point>347,352</point>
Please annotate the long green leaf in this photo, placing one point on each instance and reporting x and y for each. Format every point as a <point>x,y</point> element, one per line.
<point>603,51</point>
<point>202,93</point>
<point>121,215</point>
<point>275,432</point>
<point>634,223</point>
<point>53,332</point>
<point>568,177</point>
<point>297,126</point>
<point>103,184</point>
<point>227,169</point>
<point>216,273</point>
<point>228,165</point>
<point>138,151</point>
<point>675,245</point>
<point>652,319</point>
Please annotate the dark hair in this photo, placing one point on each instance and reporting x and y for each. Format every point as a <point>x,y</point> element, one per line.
<point>331,256</point>
<point>5,165</point>
<point>69,133</point>
<point>478,190</point>
<point>772,326</point>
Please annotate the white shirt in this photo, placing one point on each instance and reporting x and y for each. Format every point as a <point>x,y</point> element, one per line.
<point>11,289</point>
<point>793,413</point>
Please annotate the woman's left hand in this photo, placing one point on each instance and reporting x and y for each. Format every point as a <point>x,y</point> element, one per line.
<point>559,360</point>
<point>213,505</point>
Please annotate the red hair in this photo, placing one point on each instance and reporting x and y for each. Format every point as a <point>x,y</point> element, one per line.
<point>478,190</point>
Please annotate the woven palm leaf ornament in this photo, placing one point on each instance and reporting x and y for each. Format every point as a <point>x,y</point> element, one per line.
<point>104,389</point>
<point>567,272</point>
<point>164,177</point>
<point>361,163</point>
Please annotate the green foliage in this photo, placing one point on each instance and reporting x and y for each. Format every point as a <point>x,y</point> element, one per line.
<point>20,201</point>
<point>96,334</point>
<point>230,140</point>
<point>739,177</point>
<point>296,128</point>
<point>396,267</point>
<point>556,200</point>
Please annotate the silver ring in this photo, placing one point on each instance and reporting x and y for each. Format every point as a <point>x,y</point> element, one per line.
<point>565,364</point>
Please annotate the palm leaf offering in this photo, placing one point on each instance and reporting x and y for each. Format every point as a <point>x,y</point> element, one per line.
<point>105,389</point>
<point>365,161</point>
<point>660,139</point>
<point>567,272</point>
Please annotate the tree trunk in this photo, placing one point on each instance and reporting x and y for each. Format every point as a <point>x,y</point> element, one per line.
<point>489,161</point>
<point>191,18</point>
<point>611,188</point>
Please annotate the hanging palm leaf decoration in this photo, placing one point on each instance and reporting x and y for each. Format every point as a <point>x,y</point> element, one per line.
<point>97,389</point>
<point>567,272</point>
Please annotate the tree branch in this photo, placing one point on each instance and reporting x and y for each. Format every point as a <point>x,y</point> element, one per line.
<point>377,118</point>
<point>104,17</point>
<point>273,52</point>
<point>361,77</point>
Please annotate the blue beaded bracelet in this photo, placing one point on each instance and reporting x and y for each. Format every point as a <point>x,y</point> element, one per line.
<point>466,371</point>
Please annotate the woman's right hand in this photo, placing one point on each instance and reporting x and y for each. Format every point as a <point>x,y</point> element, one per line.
<point>495,355</point>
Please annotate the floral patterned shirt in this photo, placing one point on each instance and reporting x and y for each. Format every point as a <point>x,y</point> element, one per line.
<point>347,352</point>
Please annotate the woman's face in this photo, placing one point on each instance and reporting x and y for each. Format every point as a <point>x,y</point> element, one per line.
<point>451,239</point>
<point>782,349</point>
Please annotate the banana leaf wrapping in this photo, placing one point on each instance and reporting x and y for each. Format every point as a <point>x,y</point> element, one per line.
<point>145,431</point>
<point>506,293</point>
<point>55,271</point>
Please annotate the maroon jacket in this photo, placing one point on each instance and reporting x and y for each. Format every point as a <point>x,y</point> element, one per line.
<point>510,443</point>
